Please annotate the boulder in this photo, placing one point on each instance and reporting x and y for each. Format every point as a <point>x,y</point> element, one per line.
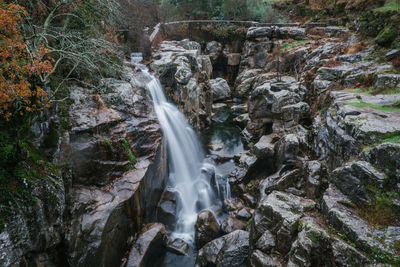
<point>231,224</point>
<point>229,250</point>
<point>207,228</point>
<point>259,259</point>
<point>220,89</point>
<point>387,80</point>
<point>266,243</point>
<point>178,246</point>
<point>264,147</point>
<point>346,255</point>
<point>257,32</point>
<point>280,213</point>
<point>147,246</point>
<point>312,246</point>
<point>356,179</point>
<point>387,157</point>
<point>166,209</point>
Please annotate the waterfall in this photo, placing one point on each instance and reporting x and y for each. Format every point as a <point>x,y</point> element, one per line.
<point>186,158</point>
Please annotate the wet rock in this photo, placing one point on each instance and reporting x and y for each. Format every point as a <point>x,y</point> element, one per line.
<point>287,148</point>
<point>356,179</point>
<point>231,224</point>
<point>259,259</point>
<point>266,243</point>
<point>229,250</point>
<point>316,179</point>
<point>282,180</point>
<point>245,159</point>
<point>280,214</point>
<point>166,210</point>
<point>312,246</point>
<point>243,214</point>
<point>335,206</point>
<point>167,77</point>
<point>242,108</point>
<point>34,229</point>
<point>233,59</point>
<point>242,120</point>
<point>147,246</point>
<point>264,147</point>
<point>387,157</point>
<point>178,246</point>
<point>219,106</point>
<point>386,80</point>
<point>244,82</point>
<point>220,88</point>
<point>346,255</point>
<point>207,228</point>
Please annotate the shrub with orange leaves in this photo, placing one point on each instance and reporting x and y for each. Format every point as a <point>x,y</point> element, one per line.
<point>20,69</point>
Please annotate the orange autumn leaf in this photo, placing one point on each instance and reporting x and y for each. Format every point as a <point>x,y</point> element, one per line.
<point>18,67</point>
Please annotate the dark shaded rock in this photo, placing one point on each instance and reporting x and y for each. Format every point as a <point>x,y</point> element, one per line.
<point>229,250</point>
<point>147,247</point>
<point>387,157</point>
<point>167,77</point>
<point>36,226</point>
<point>259,259</point>
<point>256,32</point>
<point>316,180</point>
<point>335,206</point>
<point>312,246</point>
<point>280,214</point>
<point>207,228</point>
<point>166,209</point>
<point>346,255</point>
<point>178,246</point>
<point>356,179</point>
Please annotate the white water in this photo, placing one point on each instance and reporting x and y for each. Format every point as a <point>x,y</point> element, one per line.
<point>185,161</point>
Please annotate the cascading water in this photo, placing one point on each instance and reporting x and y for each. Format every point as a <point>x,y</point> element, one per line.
<point>186,160</point>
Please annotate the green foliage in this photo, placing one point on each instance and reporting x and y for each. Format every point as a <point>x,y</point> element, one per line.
<point>248,224</point>
<point>252,10</point>
<point>128,150</point>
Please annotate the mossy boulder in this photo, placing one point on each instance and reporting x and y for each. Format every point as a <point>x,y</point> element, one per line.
<point>386,37</point>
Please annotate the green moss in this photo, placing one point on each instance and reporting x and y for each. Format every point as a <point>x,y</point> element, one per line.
<point>300,226</point>
<point>313,238</point>
<point>387,36</point>
<point>362,104</point>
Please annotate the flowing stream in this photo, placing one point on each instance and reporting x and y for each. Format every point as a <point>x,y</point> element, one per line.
<point>189,169</point>
<point>185,158</point>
